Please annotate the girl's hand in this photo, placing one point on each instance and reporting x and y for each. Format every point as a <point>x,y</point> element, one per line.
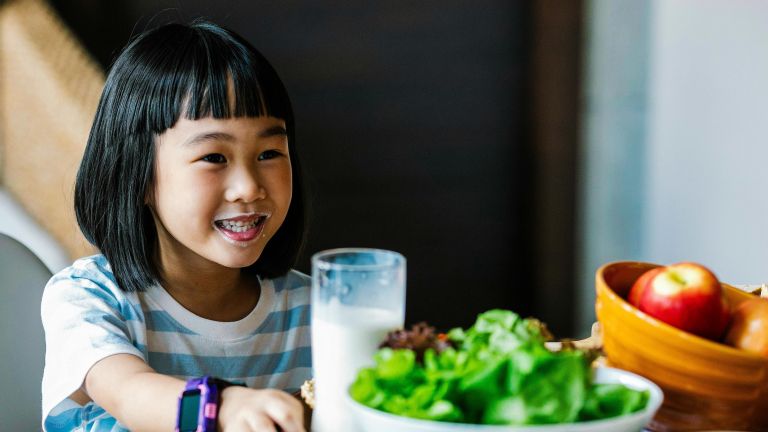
<point>243,409</point>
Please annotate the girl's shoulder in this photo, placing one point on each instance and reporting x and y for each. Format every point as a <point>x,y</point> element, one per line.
<point>89,276</point>
<point>94,267</point>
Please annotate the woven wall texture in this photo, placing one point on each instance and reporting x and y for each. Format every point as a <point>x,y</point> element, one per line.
<point>49,89</point>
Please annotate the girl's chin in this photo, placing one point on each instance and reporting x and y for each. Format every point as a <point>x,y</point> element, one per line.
<point>235,263</point>
<point>238,260</point>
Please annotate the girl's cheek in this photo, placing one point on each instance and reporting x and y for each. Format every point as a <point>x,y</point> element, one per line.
<point>203,177</point>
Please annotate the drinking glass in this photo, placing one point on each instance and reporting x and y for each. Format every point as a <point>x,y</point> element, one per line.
<point>358,295</point>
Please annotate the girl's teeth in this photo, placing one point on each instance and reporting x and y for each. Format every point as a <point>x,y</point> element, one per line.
<point>238,226</point>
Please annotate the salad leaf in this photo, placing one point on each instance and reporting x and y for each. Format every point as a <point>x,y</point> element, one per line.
<point>496,372</point>
<point>611,400</point>
<point>395,364</point>
<point>419,339</point>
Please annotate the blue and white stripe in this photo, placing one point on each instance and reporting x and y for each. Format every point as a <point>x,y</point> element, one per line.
<point>87,318</point>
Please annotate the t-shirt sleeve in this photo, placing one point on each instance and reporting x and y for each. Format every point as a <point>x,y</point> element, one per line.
<point>86,318</point>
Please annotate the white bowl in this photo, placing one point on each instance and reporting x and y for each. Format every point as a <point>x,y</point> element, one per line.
<point>372,420</point>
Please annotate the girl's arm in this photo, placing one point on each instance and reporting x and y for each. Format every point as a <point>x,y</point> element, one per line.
<point>144,400</point>
<point>140,398</point>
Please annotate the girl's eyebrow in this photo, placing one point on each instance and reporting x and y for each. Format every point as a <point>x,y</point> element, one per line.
<point>223,136</point>
<point>272,131</point>
<point>209,136</point>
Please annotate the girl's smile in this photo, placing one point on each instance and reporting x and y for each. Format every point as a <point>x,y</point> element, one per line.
<point>241,230</point>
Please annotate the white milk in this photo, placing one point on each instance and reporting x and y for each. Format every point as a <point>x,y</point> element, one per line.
<point>343,341</point>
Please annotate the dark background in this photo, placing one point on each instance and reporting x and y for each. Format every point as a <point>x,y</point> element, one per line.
<point>445,130</point>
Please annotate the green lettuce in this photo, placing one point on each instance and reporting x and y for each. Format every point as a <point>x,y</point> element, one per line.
<point>498,373</point>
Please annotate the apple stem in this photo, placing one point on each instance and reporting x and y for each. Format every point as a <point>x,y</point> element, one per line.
<point>677,278</point>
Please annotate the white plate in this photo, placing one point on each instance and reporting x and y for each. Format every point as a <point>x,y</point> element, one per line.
<point>371,420</point>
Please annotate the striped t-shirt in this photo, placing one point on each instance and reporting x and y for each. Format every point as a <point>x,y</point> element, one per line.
<point>87,318</point>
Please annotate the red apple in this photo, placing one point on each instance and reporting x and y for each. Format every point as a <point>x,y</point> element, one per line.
<point>685,295</point>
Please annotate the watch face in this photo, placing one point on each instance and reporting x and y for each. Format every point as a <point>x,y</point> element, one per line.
<point>189,410</point>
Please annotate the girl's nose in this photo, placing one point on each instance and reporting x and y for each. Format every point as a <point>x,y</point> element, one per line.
<point>245,187</point>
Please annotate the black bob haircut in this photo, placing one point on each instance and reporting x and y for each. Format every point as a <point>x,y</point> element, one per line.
<point>159,74</point>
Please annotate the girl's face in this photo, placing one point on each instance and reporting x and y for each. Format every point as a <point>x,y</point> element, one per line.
<point>222,189</point>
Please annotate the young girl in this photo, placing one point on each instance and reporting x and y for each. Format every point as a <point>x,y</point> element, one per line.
<point>190,188</point>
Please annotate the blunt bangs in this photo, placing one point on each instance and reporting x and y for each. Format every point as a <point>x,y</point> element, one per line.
<point>191,69</point>
<point>197,70</point>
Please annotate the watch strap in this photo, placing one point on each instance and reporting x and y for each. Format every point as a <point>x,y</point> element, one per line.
<point>209,389</point>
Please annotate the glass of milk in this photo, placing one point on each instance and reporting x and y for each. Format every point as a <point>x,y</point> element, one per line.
<point>358,295</point>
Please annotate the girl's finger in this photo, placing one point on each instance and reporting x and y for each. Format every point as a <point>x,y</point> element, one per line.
<point>287,414</point>
<point>260,422</point>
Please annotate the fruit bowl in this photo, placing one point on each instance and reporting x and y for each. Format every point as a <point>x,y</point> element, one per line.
<point>707,385</point>
<point>372,420</point>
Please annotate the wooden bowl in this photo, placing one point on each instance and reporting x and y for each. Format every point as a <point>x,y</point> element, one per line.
<point>707,385</point>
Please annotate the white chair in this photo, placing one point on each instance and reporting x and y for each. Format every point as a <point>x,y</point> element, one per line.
<point>17,223</point>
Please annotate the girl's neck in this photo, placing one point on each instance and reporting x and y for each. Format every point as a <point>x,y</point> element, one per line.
<point>219,294</point>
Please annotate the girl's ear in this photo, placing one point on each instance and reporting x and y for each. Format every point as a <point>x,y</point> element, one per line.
<point>149,197</point>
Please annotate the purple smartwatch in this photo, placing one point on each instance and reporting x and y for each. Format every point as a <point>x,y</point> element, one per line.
<point>199,404</point>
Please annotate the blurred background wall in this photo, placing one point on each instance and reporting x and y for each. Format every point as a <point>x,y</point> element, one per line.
<point>675,138</point>
<point>507,149</point>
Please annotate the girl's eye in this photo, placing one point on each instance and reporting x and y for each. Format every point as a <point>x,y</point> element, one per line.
<point>214,158</point>
<point>269,154</point>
